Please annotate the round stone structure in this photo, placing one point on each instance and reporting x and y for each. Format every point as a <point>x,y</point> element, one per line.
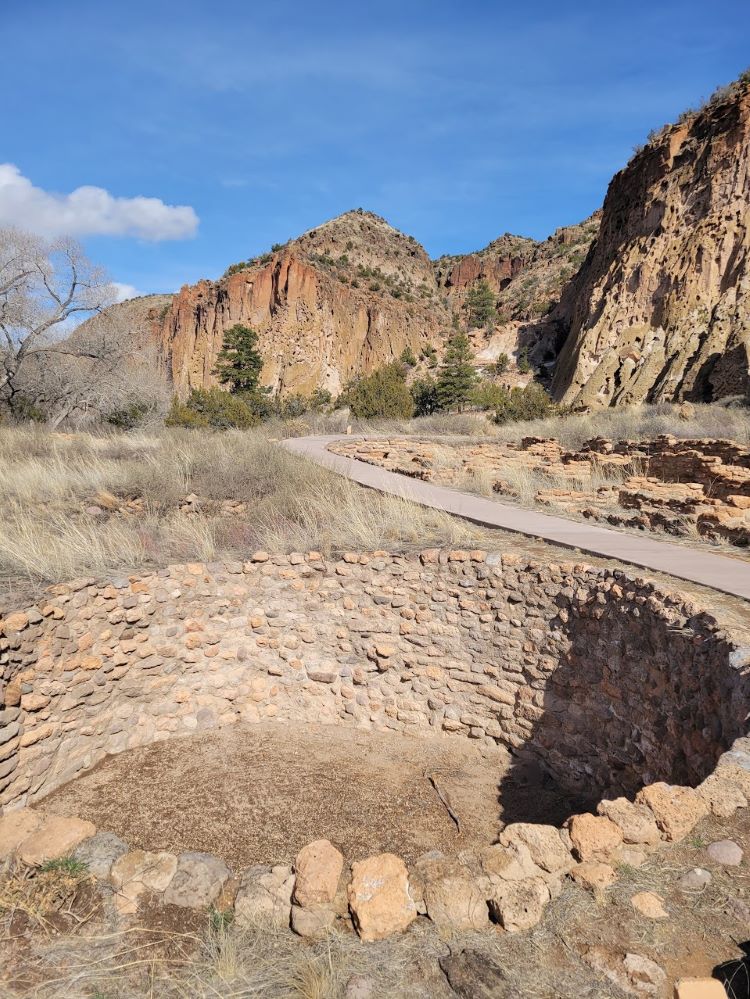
<point>605,680</point>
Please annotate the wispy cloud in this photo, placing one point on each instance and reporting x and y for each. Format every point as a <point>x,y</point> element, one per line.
<point>89,211</point>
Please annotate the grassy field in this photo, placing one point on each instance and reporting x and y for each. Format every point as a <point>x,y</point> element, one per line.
<point>80,505</point>
<point>636,423</point>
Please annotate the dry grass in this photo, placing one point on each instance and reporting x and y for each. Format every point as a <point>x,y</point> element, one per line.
<point>636,423</point>
<point>48,484</point>
<point>224,963</point>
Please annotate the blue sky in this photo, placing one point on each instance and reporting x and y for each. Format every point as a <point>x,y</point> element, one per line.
<point>455,122</point>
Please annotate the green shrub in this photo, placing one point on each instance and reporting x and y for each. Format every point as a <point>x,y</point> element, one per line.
<point>529,403</point>
<point>524,364</point>
<point>424,394</point>
<point>212,409</point>
<point>488,395</point>
<point>130,416</point>
<point>384,393</point>
<point>408,358</point>
<point>500,366</point>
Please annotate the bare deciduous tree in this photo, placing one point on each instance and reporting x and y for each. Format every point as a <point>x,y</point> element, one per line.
<point>44,287</point>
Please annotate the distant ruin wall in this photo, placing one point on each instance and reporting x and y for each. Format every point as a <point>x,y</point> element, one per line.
<point>612,683</point>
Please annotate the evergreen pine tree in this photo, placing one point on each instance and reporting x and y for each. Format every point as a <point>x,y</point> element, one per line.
<point>480,305</point>
<point>458,375</point>
<point>239,364</point>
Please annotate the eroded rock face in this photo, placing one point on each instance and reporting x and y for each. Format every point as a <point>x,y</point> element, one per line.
<point>661,308</point>
<point>351,294</point>
<point>265,897</point>
<point>379,897</point>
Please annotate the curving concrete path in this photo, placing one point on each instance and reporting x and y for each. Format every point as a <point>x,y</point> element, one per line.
<point>728,575</point>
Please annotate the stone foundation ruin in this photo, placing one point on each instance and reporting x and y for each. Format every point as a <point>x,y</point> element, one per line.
<point>607,682</point>
<point>617,689</point>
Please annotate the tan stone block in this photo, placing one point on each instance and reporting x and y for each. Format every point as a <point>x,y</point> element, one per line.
<point>55,837</point>
<point>15,827</point>
<point>14,622</point>
<point>318,868</point>
<point>379,897</point>
<point>593,837</point>
<point>677,810</point>
<point>699,988</point>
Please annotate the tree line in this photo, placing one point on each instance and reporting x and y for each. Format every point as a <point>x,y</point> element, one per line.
<point>383,394</point>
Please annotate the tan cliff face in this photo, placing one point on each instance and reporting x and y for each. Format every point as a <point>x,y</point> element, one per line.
<point>341,300</point>
<point>348,296</point>
<point>660,309</point>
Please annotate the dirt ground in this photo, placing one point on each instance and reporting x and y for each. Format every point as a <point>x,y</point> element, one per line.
<point>258,793</point>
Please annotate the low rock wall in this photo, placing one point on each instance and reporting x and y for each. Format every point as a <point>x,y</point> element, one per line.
<point>609,682</point>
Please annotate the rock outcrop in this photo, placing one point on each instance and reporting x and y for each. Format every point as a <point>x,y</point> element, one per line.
<point>660,310</point>
<point>340,300</point>
<point>350,295</point>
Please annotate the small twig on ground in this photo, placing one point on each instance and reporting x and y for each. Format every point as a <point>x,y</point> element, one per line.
<point>443,795</point>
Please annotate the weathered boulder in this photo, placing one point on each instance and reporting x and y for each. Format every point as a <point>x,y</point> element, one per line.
<point>677,810</point>
<point>379,897</point>
<point>636,822</point>
<point>593,837</point>
<point>725,852</point>
<point>318,868</point>
<point>312,921</point>
<point>197,882</point>
<point>100,852</point>
<point>57,836</point>
<point>474,975</point>
<point>15,827</point>
<point>543,842</point>
<point>456,903</point>
<point>593,875</point>
<point>519,905</point>
<point>722,793</point>
<point>264,897</point>
<point>137,872</point>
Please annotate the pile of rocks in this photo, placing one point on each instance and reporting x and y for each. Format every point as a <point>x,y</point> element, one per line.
<point>705,482</point>
<point>506,885</point>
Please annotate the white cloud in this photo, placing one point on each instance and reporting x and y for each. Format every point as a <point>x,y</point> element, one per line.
<point>124,291</point>
<point>89,211</point>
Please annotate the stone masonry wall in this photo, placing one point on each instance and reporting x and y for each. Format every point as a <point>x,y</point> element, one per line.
<point>611,682</point>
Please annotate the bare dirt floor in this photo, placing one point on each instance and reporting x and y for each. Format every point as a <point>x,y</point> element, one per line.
<point>255,794</point>
<point>258,793</point>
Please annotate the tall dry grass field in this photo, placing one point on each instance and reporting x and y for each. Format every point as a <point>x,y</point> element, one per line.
<point>76,505</point>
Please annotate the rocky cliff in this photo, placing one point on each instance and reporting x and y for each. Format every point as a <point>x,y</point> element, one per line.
<point>660,309</point>
<point>351,294</point>
<point>341,299</point>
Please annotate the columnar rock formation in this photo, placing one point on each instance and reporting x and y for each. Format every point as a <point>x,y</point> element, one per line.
<point>605,680</point>
<point>661,308</point>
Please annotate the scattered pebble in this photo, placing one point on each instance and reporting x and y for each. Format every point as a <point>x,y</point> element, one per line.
<point>649,905</point>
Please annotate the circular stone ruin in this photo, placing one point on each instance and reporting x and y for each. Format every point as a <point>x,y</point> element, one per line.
<point>597,683</point>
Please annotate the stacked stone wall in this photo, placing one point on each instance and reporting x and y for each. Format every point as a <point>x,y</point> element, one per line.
<point>611,683</point>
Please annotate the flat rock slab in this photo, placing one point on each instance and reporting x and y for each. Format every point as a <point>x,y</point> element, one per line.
<point>55,837</point>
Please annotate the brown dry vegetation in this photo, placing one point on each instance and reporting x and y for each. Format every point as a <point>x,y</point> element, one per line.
<point>631,423</point>
<point>73,505</point>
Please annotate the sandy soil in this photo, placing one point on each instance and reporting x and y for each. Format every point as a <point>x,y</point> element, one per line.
<point>258,793</point>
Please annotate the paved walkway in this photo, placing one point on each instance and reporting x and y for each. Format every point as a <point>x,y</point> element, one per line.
<point>725,574</point>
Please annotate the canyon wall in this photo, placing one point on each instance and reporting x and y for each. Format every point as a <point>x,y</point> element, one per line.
<point>660,310</point>
<point>610,683</point>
